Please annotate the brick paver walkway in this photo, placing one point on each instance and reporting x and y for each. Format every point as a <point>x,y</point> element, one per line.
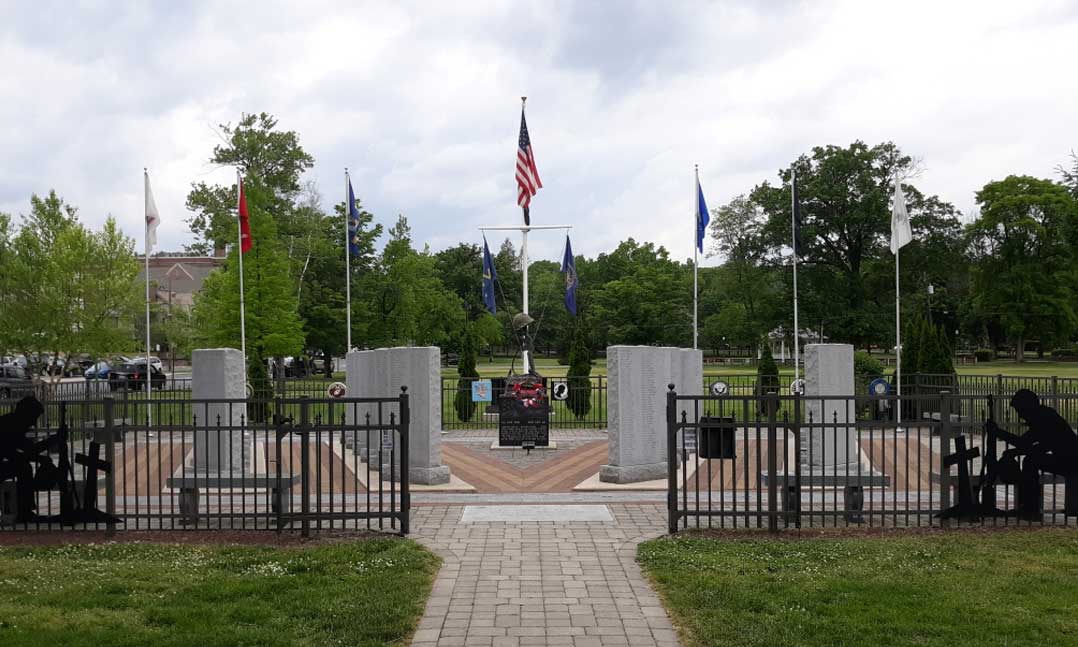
<point>541,583</point>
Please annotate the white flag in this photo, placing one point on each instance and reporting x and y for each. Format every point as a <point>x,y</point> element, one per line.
<point>900,221</point>
<point>152,217</point>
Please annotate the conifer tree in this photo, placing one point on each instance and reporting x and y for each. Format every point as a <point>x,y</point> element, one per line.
<point>579,371</point>
<point>468,373</point>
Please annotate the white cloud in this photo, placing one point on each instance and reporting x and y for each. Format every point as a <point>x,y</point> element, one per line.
<point>421,102</point>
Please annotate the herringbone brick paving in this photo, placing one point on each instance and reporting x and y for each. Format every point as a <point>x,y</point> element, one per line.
<point>571,584</point>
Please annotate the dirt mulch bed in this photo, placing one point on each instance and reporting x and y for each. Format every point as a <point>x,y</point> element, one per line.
<point>209,537</point>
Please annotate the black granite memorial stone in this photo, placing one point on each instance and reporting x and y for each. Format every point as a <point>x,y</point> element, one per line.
<point>524,412</point>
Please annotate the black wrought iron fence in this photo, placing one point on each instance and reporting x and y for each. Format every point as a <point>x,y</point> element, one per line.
<point>181,463</point>
<point>813,462</point>
<point>576,403</point>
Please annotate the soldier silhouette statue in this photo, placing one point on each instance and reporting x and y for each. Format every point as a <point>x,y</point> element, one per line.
<point>18,453</point>
<point>28,462</point>
<point>1048,446</point>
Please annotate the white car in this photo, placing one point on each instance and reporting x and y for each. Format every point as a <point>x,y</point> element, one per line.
<point>155,362</point>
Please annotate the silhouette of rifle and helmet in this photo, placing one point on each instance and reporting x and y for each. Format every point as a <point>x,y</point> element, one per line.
<point>28,462</point>
<point>1049,446</point>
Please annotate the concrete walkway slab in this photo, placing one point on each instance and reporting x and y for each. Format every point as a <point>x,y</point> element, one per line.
<point>520,513</point>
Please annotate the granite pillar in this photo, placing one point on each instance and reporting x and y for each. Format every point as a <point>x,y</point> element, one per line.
<point>216,374</point>
<point>638,379</point>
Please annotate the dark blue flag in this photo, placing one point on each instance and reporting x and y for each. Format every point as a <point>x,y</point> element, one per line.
<point>568,267</point>
<point>702,216</point>
<point>489,277</point>
<point>353,222</point>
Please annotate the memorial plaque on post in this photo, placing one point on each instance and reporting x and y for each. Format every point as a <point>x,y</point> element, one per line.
<point>524,412</point>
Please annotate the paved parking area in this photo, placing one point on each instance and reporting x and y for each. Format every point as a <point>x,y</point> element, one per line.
<point>567,583</point>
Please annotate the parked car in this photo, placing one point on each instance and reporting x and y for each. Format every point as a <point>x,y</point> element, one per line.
<point>155,362</point>
<point>293,367</point>
<point>79,368</point>
<point>53,365</point>
<point>15,382</point>
<point>97,371</point>
<point>132,377</point>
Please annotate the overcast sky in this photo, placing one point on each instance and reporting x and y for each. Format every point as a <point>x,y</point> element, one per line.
<point>422,102</point>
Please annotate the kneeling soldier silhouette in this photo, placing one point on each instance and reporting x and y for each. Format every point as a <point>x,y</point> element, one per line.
<point>1049,445</point>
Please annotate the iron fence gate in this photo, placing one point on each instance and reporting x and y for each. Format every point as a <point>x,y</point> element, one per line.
<point>796,461</point>
<point>181,464</point>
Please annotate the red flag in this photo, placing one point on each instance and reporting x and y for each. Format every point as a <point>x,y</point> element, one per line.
<point>245,222</point>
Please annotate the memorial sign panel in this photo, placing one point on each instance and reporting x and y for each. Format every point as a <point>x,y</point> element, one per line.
<point>524,412</point>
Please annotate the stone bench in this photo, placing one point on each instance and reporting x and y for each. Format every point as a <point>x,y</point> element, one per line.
<point>190,487</point>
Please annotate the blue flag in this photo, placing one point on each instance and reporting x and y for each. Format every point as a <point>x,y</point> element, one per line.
<point>702,216</point>
<point>353,222</point>
<point>489,277</point>
<point>568,267</point>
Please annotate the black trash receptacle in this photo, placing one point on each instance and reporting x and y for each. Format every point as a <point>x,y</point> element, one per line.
<point>717,437</point>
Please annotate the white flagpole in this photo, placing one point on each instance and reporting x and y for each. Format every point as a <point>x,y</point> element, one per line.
<point>524,267</point>
<point>524,262</point>
<point>898,338</point>
<point>145,192</point>
<point>347,263</point>
<point>793,231</point>
<point>239,250</point>
<point>695,260</point>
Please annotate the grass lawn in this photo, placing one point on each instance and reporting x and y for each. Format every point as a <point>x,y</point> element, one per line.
<point>950,589</point>
<point>550,368</point>
<point>365,592</point>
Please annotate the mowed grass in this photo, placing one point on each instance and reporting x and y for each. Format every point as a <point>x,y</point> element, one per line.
<point>551,368</point>
<point>943,588</point>
<point>367,592</point>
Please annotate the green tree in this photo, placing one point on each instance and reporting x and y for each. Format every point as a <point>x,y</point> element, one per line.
<point>731,326</point>
<point>865,369</point>
<point>489,332</point>
<point>845,196</point>
<point>1023,246</point>
<point>273,326</point>
<point>321,284</point>
<point>258,149</point>
<point>466,370</point>
<point>404,301</point>
<point>640,296</point>
<point>579,401</point>
<point>179,333</point>
<point>66,289</point>
<point>1070,175</point>
<point>461,268</point>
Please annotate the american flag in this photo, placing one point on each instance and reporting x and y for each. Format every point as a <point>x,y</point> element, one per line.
<point>527,175</point>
